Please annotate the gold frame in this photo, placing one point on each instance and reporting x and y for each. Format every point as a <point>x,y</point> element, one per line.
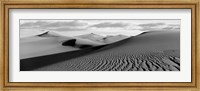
<point>194,85</point>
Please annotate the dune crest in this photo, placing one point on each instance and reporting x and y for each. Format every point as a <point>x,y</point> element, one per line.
<point>103,39</point>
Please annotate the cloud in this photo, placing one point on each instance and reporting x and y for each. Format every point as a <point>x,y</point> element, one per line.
<point>82,25</point>
<point>172,27</point>
<point>149,25</point>
<point>168,28</point>
<point>177,28</point>
<point>33,24</point>
<point>64,24</point>
<point>108,24</point>
<point>45,24</point>
<point>69,29</point>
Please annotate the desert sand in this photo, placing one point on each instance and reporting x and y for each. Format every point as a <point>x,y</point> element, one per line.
<point>38,46</point>
<point>151,51</point>
<point>50,43</point>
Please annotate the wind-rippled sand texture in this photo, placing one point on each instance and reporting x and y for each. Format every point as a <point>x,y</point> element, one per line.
<point>152,51</point>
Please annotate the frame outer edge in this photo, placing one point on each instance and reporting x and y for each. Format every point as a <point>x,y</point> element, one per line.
<point>3,43</point>
<point>97,2</point>
<point>198,47</point>
<point>1,47</point>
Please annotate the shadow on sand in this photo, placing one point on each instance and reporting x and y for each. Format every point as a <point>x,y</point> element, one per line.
<point>36,62</point>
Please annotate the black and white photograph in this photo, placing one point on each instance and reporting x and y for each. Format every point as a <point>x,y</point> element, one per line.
<point>99,44</point>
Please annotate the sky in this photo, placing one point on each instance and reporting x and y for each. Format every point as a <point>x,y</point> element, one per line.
<point>101,27</point>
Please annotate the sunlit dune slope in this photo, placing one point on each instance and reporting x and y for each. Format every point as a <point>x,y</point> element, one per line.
<point>51,43</point>
<point>37,46</point>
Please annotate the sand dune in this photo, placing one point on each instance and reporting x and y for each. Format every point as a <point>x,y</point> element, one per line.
<point>38,46</point>
<point>62,38</point>
<point>153,51</point>
<point>51,43</point>
<point>24,33</point>
<point>80,41</point>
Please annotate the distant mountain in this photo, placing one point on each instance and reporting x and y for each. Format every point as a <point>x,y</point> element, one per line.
<point>26,33</point>
<point>103,39</point>
<point>49,34</point>
<point>111,39</point>
<point>92,36</point>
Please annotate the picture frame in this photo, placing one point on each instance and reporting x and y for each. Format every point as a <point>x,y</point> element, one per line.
<point>110,86</point>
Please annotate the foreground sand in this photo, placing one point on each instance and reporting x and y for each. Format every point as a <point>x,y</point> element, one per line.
<point>153,51</point>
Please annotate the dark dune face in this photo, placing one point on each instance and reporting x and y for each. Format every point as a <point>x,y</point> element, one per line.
<point>85,46</point>
<point>71,42</point>
<point>153,51</point>
<point>46,33</point>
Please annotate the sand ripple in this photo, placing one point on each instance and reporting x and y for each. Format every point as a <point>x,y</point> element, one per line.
<point>146,62</point>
